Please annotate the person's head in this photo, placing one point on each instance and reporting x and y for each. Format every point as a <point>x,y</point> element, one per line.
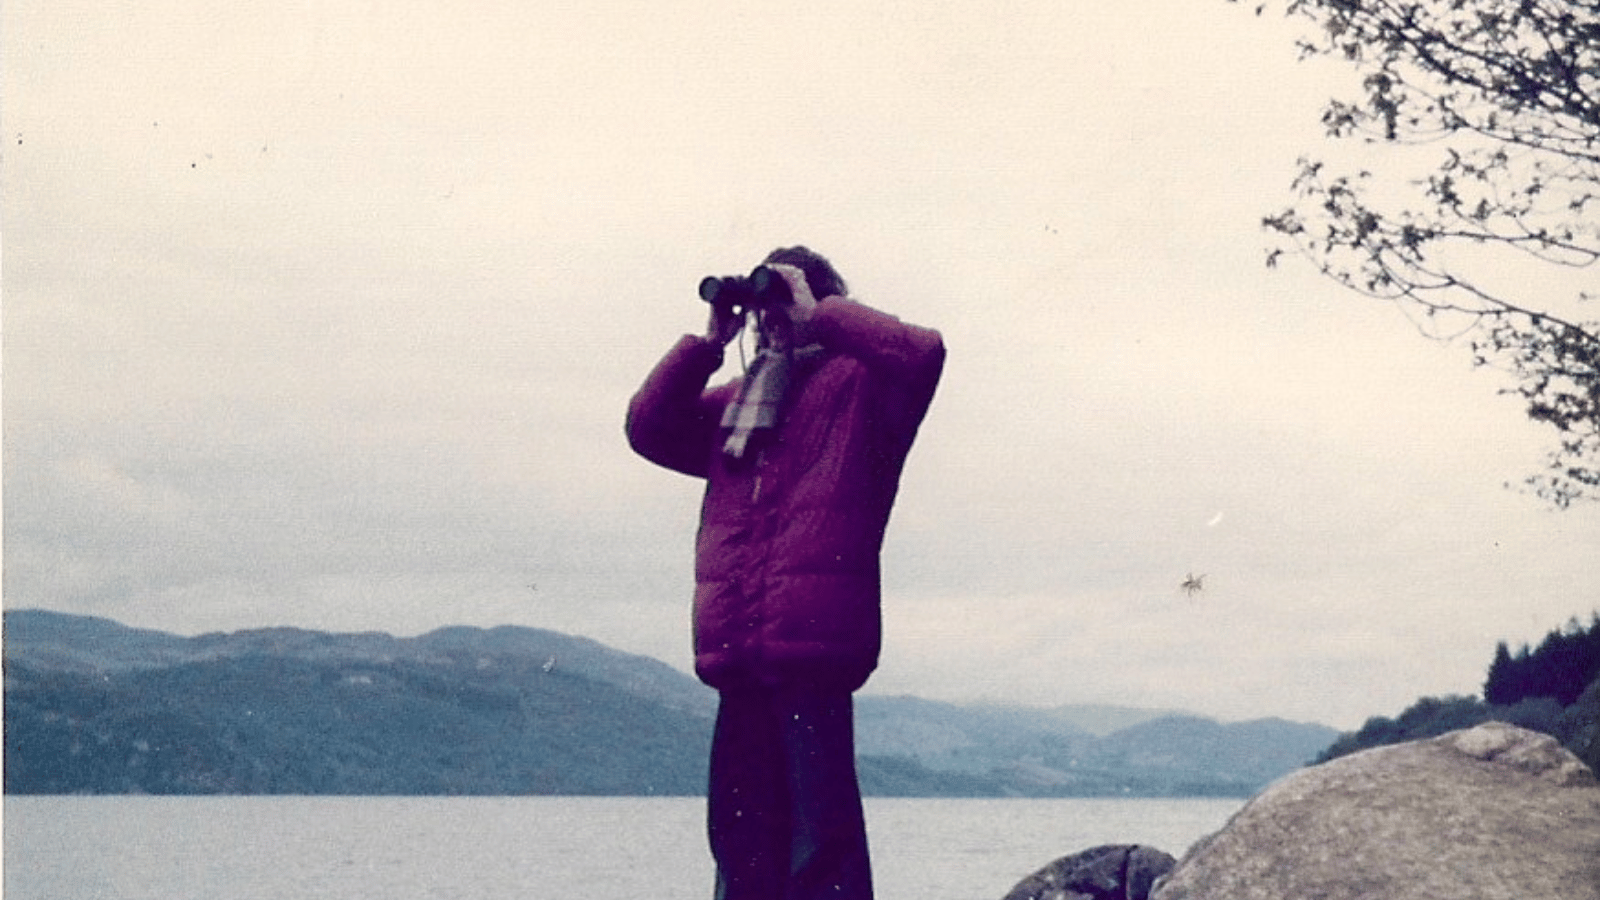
<point>821,277</point>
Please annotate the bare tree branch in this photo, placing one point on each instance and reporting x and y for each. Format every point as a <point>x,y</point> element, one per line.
<point>1509,93</point>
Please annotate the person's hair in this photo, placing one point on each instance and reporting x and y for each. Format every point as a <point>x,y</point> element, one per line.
<point>821,276</point>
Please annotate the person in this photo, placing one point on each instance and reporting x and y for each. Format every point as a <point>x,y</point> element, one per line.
<point>802,458</point>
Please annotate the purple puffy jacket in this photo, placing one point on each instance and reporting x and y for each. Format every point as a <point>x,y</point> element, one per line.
<point>786,561</point>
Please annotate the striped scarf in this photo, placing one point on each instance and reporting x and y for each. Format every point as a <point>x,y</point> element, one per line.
<point>755,410</point>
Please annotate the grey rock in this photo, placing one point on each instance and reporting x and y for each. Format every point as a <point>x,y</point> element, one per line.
<point>1110,872</point>
<point>1493,812</point>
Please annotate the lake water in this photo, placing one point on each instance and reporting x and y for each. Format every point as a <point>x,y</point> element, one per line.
<point>271,848</point>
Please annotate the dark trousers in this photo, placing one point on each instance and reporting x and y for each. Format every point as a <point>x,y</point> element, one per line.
<point>784,808</point>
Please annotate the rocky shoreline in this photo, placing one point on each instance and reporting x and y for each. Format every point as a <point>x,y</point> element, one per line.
<point>1493,812</point>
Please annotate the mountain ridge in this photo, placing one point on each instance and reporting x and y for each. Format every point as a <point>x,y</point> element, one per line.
<point>94,706</point>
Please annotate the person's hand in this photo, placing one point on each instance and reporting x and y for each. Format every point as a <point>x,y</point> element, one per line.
<point>723,325</point>
<point>801,306</point>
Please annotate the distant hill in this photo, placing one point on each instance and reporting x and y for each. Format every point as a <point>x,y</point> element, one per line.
<point>92,706</point>
<point>97,708</point>
<point>1046,752</point>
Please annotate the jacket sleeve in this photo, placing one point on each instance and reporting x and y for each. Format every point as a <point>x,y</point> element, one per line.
<point>909,357</point>
<point>672,420</point>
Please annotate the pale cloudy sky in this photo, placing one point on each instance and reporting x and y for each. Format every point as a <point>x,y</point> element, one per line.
<point>325,314</point>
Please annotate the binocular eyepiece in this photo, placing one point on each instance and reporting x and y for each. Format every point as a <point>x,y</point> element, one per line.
<point>763,288</point>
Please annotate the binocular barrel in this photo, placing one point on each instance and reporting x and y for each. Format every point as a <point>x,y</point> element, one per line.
<point>713,289</point>
<point>762,288</point>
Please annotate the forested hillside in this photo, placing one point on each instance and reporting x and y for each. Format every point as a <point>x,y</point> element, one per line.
<point>1553,688</point>
<point>326,719</point>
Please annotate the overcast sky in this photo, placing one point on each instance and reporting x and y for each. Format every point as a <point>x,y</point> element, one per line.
<point>325,313</point>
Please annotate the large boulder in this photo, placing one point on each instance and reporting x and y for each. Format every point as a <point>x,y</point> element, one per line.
<point>1488,813</point>
<point>1111,872</point>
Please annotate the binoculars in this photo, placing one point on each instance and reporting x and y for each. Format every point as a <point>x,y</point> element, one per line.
<point>763,288</point>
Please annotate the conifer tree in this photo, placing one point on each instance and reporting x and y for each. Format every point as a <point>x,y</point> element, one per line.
<point>1497,688</point>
